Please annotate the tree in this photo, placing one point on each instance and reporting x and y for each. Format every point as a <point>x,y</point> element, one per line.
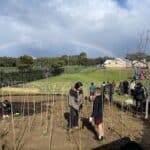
<point>57,67</point>
<point>25,63</point>
<point>83,55</point>
<point>138,56</point>
<point>7,62</point>
<point>82,59</point>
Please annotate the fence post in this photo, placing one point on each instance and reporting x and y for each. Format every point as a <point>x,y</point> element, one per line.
<point>147,101</point>
<point>1,79</point>
<point>147,107</point>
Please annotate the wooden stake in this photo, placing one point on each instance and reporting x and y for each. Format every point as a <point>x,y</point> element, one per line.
<point>12,121</point>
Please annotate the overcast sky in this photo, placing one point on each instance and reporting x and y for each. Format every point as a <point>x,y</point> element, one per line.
<point>57,27</point>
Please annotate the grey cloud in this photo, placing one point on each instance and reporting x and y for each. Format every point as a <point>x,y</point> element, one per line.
<point>54,27</point>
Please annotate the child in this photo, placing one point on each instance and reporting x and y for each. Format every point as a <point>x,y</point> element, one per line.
<point>92,91</point>
<point>6,108</point>
<point>97,113</point>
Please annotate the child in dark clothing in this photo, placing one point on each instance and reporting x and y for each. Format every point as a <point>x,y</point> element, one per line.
<point>139,96</point>
<point>97,113</point>
<point>6,108</point>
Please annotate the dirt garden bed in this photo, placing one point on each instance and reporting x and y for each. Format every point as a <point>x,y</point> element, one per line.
<point>44,125</point>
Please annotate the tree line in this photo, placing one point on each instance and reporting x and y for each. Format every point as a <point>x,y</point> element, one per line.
<point>25,62</point>
<point>30,69</point>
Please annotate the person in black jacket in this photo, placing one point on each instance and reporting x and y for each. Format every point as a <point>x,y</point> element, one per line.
<point>6,108</point>
<point>125,87</point>
<point>97,113</point>
<point>139,96</point>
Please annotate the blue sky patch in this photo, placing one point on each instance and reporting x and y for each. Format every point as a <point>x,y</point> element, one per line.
<point>122,3</point>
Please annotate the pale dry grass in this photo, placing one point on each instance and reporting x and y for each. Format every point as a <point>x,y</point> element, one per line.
<point>20,90</point>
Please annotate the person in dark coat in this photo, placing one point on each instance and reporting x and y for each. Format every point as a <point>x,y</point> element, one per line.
<point>97,113</point>
<point>6,108</point>
<point>125,87</point>
<point>75,104</point>
<point>139,96</point>
<point>110,92</point>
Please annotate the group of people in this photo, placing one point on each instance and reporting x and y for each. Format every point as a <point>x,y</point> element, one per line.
<point>139,74</point>
<point>98,95</point>
<point>107,90</point>
<point>136,90</point>
<point>139,94</point>
<point>75,104</point>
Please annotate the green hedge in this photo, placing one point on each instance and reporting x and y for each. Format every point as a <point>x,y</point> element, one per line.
<point>14,78</point>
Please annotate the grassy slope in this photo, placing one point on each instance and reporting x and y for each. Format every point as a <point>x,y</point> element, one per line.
<point>63,82</point>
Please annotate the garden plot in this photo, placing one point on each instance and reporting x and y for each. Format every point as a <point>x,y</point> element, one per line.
<point>43,121</point>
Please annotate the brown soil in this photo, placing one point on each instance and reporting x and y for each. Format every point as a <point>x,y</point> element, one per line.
<point>46,127</point>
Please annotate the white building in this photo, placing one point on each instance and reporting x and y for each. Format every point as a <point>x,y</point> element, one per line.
<point>139,64</point>
<point>116,63</point>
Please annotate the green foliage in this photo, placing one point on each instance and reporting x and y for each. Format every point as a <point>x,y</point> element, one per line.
<point>25,63</point>
<point>74,69</point>
<point>57,69</point>
<point>8,62</point>
<point>12,78</point>
<point>8,69</point>
<point>16,77</point>
<point>139,56</point>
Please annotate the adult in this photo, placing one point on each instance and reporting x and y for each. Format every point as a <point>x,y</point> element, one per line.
<point>75,103</point>
<point>139,96</point>
<point>125,87</point>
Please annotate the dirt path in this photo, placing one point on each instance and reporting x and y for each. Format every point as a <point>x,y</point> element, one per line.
<point>48,130</point>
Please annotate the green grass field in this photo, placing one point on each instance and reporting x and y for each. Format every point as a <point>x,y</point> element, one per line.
<point>62,83</point>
